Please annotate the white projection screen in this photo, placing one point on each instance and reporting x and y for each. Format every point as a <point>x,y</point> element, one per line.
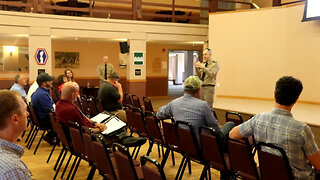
<point>311,10</point>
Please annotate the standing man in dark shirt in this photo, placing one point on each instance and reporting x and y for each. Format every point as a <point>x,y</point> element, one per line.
<point>111,95</point>
<point>42,103</point>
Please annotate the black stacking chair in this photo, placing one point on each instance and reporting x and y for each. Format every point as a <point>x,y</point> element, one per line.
<point>273,166</point>
<point>234,117</point>
<point>150,173</point>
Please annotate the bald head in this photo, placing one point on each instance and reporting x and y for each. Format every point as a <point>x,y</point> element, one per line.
<point>105,59</point>
<point>69,91</point>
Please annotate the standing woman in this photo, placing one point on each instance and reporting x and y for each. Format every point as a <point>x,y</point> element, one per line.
<point>69,75</point>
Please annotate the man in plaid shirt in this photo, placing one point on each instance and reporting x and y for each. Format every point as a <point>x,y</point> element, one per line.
<point>13,121</point>
<point>278,127</point>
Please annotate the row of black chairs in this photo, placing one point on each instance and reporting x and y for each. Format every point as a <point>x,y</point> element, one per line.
<point>167,134</point>
<point>112,163</point>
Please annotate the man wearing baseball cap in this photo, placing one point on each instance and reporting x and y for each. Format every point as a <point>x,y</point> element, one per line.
<point>42,103</point>
<point>189,108</point>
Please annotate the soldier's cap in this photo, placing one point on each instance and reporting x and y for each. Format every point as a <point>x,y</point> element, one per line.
<point>192,83</point>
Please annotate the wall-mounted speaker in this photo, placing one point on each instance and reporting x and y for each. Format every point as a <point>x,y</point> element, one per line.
<point>124,48</point>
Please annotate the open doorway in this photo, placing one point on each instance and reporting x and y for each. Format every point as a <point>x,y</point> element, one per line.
<point>180,68</point>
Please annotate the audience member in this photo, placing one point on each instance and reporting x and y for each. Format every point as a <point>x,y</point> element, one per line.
<point>69,74</point>
<point>189,108</point>
<point>111,95</point>
<point>31,90</point>
<point>207,72</point>
<point>281,129</point>
<point>13,121</point>
<point>19,82</point>
<point>104,70</point>
<point>66,111</point>
<point>43,104</point>
<point>61,80</point>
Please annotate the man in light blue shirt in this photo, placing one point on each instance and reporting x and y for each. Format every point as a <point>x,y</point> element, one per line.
<point>19,82</point>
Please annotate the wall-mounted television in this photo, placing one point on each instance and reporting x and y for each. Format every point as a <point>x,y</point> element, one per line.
<point>311,10</point>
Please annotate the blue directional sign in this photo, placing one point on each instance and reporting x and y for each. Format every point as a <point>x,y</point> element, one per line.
<point>41,56</point>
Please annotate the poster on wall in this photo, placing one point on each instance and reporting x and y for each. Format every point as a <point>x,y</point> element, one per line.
<point>66,59</point>
<point>138,58</point>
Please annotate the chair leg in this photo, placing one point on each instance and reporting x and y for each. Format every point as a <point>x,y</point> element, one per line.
<point>209,173</point>
<point>135,157</point>
<point>134,150</point>
<point>189,166</point>
<point>165,157</point>
<point>54,146</point>
<point>58,159</point>
<point>66,166</point>
<point>35,151</point>
<point>29,134</point>
<point>180,167</point>
<point>75,169</point>
<point>60,164</point>
<point>33,138</point>
<point>204,172</point>
<point>71,169</point>
<point>159,151</point>
<point>172,155</point>
<point>91,173</point>
<point>150,147</point>
<point>184,167</point>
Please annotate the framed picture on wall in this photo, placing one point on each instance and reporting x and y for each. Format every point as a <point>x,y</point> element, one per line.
<point>66,59</point>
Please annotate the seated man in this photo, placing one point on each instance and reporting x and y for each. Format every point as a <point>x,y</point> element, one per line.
<point>191,109</point>
<point>13,121</point>
<point>281,129</point>
<point>19,82</point>
<point>66,111</point>
<point>43,104</point>
<point>111,95</point>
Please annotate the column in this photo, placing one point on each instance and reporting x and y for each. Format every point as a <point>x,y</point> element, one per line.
<point>136,68</point>
<point>39,48</point>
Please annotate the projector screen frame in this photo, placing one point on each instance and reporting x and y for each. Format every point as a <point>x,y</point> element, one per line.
<point>305,14</point>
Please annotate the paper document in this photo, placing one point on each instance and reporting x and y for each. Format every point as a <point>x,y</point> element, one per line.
<point>100,117</point>
<point>113,124</point>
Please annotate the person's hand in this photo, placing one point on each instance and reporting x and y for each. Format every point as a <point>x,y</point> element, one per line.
<point>117,85</point>
<point>101,126</point>
<point>201,65</point>
<point>196,64</point>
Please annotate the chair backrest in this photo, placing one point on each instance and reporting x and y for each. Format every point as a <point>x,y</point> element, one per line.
<point>153,128</point>
<point>126,102</point>
<point>241,159</point>
<point>62,136</point>
<point>273,166</point>
<point>92,106</point>
<point>210,141</point>
<point>150,173</point>
<point>130,118</point>
<point>139,123</point>
<point>187,139</point>
<point>124,162</point>
<point>170,133</point>
<point>99,105</point>
<point>84,104</point>
<point>53,121</point>
<point>78,104</point>
<point>54,94</point>
<point>234,117</point>
<point>147,105</point>
<point>76,139</point>
<point>33,113</point>
<point>103,160</point>
<point>136,101</point>
<point>87,140</point>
